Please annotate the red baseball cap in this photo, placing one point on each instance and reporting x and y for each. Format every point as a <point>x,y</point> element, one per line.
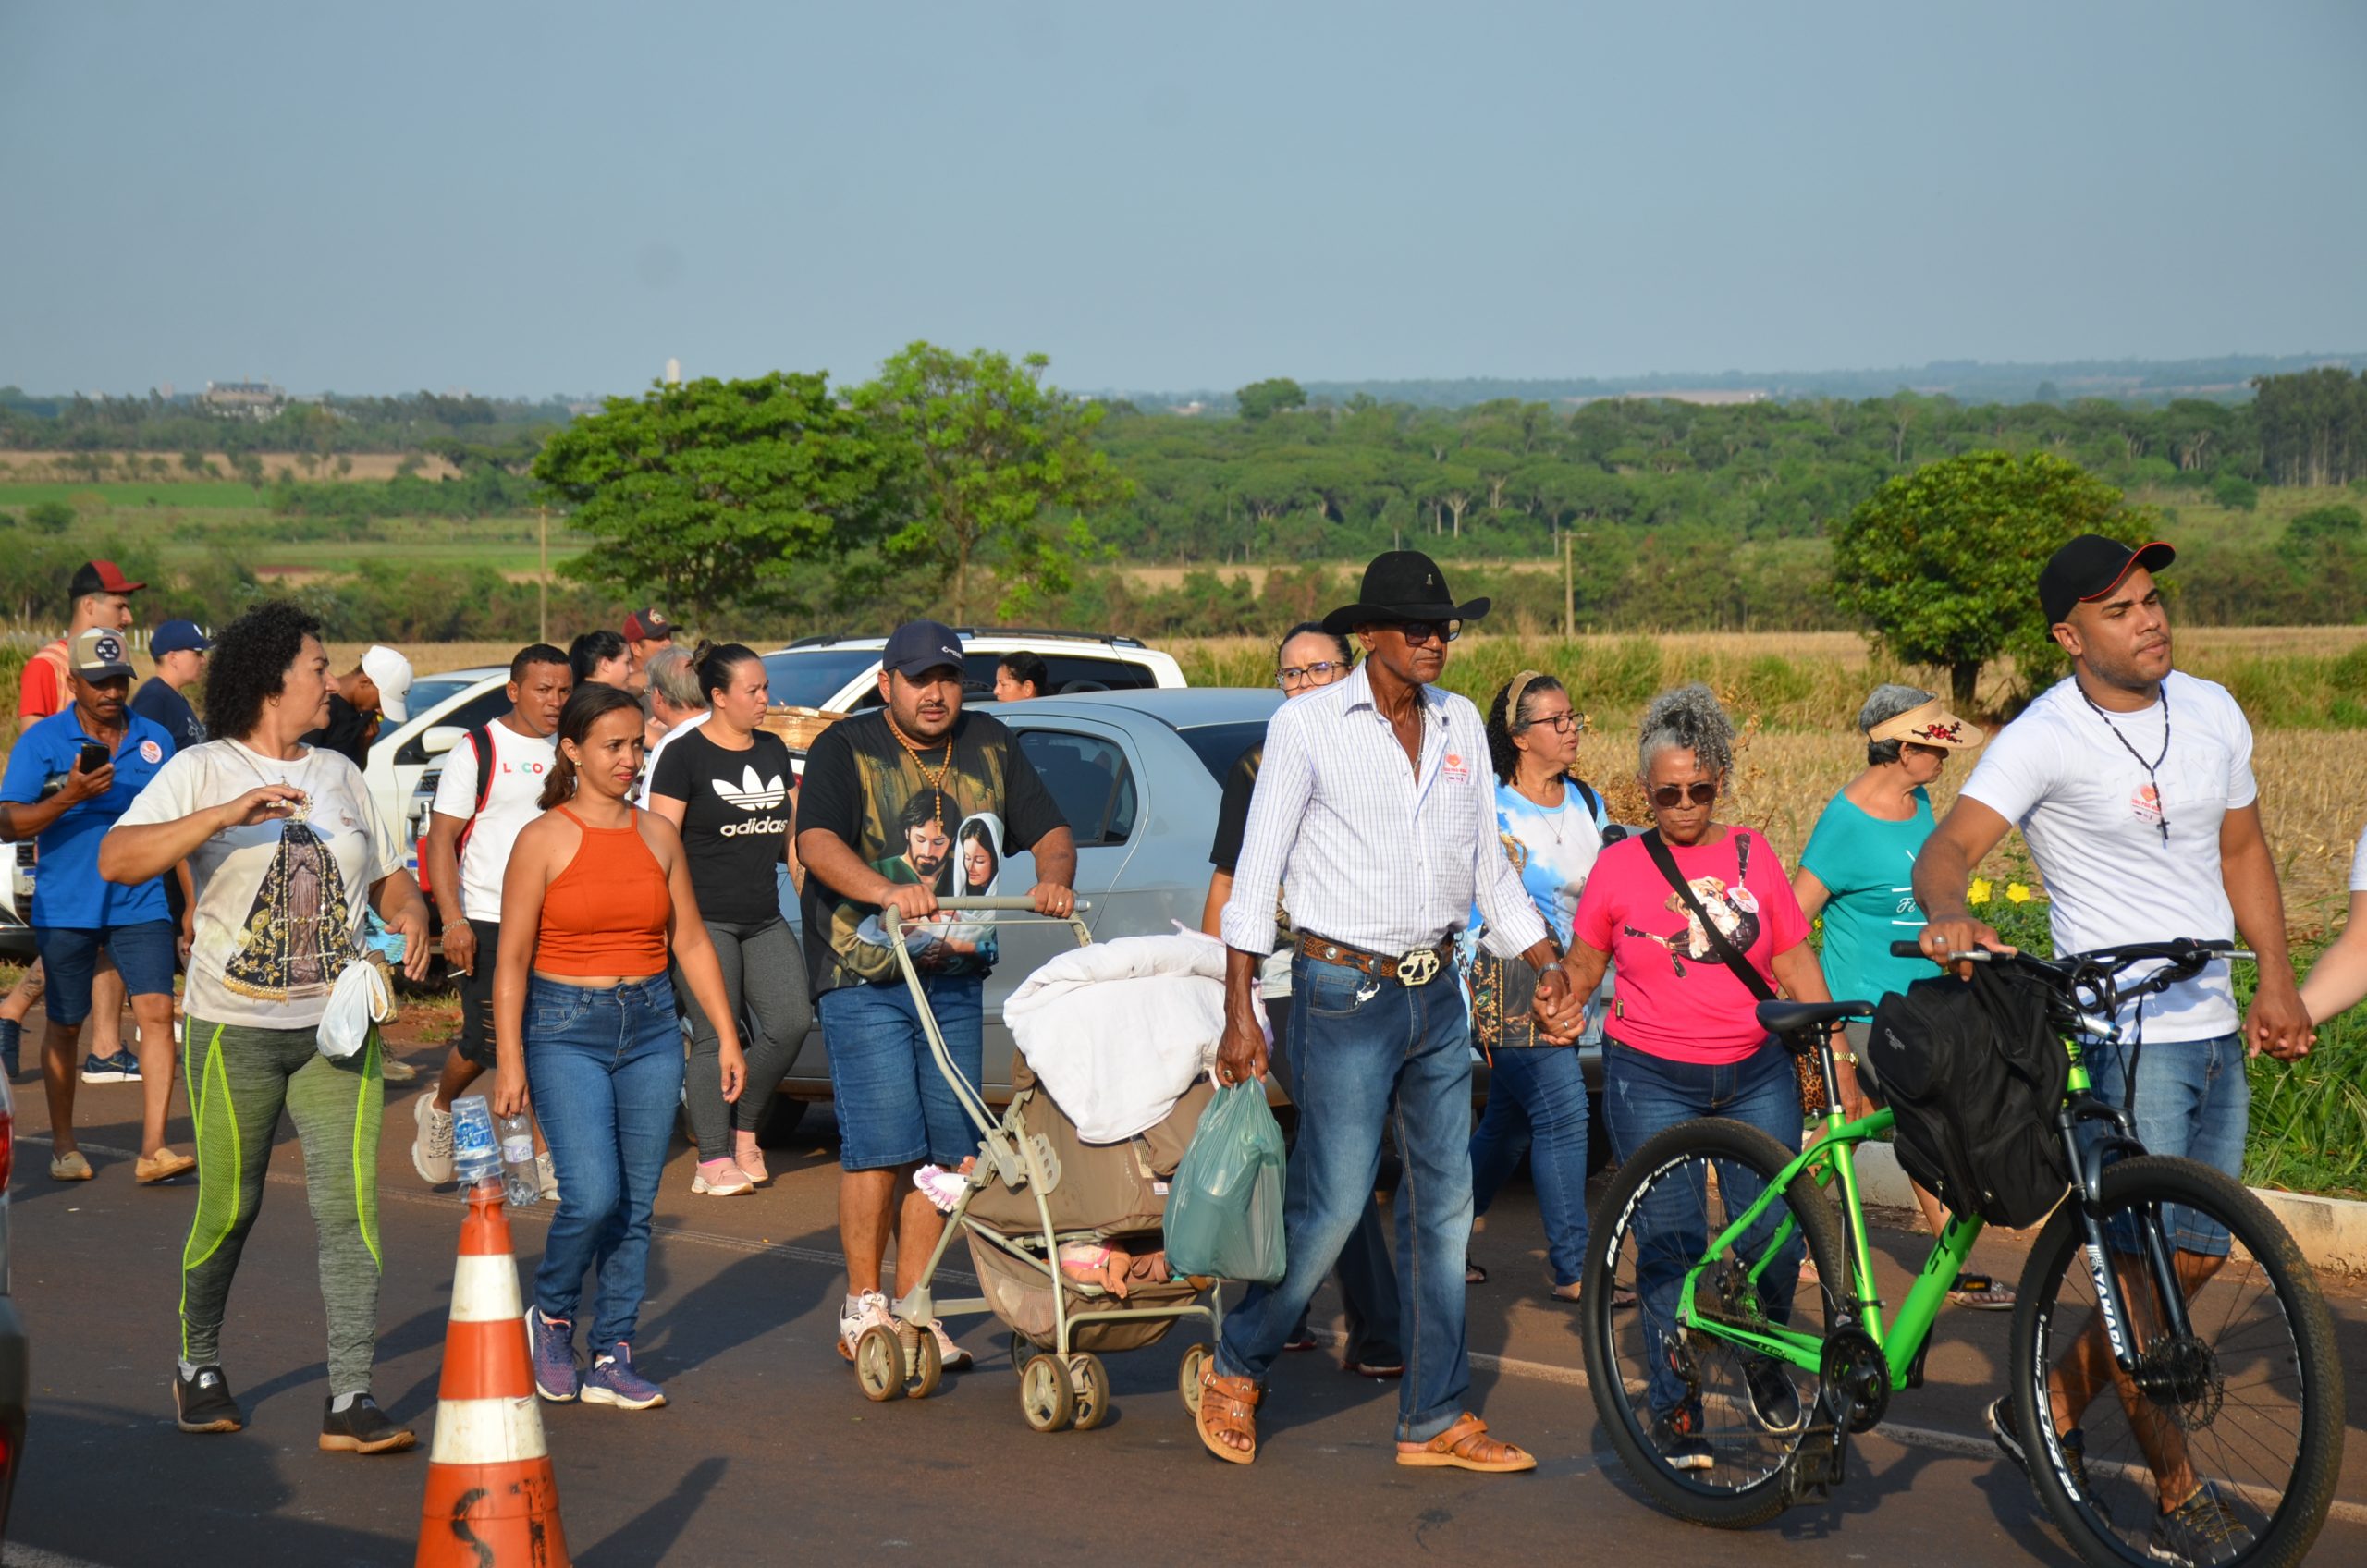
<point>648,626</point>
<point>102,577</point>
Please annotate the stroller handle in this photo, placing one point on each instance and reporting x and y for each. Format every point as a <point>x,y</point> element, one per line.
<point>1014,905</point>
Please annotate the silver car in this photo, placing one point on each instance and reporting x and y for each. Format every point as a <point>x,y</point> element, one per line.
<point>1139,776</point>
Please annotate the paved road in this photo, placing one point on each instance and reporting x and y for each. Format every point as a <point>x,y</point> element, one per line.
<point>768,1454</point>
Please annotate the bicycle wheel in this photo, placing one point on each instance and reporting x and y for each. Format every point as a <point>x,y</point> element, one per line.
<point>1680,1404</point>
<point>2244,1412</point>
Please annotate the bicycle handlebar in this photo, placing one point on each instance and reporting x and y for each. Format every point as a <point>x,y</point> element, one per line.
<point>2181,949</point>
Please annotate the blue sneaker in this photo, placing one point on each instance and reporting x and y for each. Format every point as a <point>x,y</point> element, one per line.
<point>126,1064</point>
<point>553,1342</point>
<point>103,1068</point>
<point>612,1381</point>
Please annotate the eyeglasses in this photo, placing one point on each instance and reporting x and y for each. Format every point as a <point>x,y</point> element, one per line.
<point>1320,673</point>
<point>1420,631</point>
<point>1667,796</point>
<point>1560,723</point>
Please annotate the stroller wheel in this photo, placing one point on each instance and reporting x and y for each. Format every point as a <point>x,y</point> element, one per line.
<point>928,1366</point>
<point>1091,1380</point>
<point>1047,1395</point>
<point>1021,1349</point>
<point>880,1364</point>
<point>1187,1378</point>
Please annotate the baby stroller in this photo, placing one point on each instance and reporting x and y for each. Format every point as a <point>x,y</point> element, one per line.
<point>1036,1185</point>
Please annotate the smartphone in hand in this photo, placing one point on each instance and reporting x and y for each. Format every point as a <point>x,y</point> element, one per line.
<point>94,757</point>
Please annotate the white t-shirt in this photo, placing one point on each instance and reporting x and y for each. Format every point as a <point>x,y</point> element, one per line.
<point>2086,810</point>
<point>521,763</point>
<point>649,764</point>
<point>280,904</point>
<point>2359,866</point>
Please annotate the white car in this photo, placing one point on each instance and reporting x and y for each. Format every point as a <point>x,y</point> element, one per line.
<point>444,707</point>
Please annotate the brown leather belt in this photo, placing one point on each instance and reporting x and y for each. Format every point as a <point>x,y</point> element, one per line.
<point>1417,967</point>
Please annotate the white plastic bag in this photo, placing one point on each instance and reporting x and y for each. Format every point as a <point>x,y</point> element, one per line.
<point>359,1000</point>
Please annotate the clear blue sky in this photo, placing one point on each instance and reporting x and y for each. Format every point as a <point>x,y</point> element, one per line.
<point>533,198</point>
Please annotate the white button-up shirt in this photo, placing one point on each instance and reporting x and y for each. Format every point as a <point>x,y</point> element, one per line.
<point>1367,848</point>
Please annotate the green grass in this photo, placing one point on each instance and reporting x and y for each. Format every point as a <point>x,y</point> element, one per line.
<point>228,516</point>
<point>101,500</point>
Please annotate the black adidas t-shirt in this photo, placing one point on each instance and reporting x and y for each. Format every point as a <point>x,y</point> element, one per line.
<point>735,820</point>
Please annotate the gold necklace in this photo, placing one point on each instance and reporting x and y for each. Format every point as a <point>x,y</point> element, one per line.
<point>936,778</point>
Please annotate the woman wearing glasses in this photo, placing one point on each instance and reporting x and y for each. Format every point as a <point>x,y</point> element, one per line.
<point>1858,872</point>
<point>1551,826</point>
<point>1308,659</point>
<point>1684,1039</point>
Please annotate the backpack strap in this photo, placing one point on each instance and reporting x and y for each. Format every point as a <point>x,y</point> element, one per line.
<point>480,742</point>
<point>1743,970</point>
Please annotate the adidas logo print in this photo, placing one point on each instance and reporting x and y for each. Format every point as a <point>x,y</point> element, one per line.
<point>755,794</point>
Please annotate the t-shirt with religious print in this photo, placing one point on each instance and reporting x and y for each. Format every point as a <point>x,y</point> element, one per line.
<point>947,818</point>
<point>280,904</point>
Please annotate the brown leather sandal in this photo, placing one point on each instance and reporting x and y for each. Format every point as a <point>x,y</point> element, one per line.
<point>1463,1446</point>
<point>1228,1408</point>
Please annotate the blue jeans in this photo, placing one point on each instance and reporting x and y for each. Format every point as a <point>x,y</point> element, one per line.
<point>606,1071</point>
<point>1368,1280</point>
<point>894,1105</point>
<point>1358,1046</point>
<point>1537,1099</point>
<point>2191,1098</point>
<point>144,952</point>
<point>1643,1095</point>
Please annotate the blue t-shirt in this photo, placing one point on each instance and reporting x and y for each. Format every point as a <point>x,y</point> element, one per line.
<point>68,891</point>
<point>158,701</point>
<point>1868,865</point>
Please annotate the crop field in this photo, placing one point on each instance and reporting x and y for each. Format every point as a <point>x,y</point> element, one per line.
<point>364,465</point>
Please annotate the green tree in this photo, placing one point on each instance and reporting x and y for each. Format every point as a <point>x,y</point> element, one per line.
<point>50,517</point>
<point>1944,562</point>
<point>991,457</point>
<point>1264,399</point>
<point>718,492</point>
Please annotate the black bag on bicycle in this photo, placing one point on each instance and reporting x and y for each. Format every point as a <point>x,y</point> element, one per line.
<point>1975,1076</point>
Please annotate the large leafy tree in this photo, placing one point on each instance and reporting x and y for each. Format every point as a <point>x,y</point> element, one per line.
<point>720,493</point>
<point>1944,561</point>
<point>1264,399</point>
<point>999,470</point>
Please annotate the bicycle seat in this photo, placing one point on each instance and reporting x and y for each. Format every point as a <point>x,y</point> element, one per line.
<point>1790,1018</point>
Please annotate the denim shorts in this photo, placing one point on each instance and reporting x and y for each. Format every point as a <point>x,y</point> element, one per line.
<point>2191,1098</point>
<point>145,953</point>
<point>894,1105</point>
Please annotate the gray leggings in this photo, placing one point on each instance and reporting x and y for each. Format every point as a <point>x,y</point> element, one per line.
<point>765,977</point>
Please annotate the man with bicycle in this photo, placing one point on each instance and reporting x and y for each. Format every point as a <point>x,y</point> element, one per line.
<point>2132,785</point>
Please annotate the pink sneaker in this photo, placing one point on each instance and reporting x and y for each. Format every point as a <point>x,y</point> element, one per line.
<point>720,1178</point>
<point>941,1187</point>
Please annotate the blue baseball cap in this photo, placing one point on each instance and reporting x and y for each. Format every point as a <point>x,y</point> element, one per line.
<point>177,637</point>
<point>918,646</point>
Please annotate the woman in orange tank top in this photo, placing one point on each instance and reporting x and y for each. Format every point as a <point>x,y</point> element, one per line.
<point>584,1019</point>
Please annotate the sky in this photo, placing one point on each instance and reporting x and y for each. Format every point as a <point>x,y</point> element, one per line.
<point>523,200</point>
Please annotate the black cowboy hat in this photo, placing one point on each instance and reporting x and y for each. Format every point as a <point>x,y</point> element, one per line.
<point>1402,585</point>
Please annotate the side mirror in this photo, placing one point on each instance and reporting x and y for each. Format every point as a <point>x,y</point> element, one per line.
<point>441,738</point>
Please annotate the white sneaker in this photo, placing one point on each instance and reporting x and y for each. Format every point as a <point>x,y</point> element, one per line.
<point>430,1146</point>
<point>720,1178</point>
<point>546,1176</point>
<point>870,1308</point>
<point>950,1356</point>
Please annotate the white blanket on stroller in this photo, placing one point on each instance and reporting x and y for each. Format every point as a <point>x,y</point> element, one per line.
<point>1117,1031</point>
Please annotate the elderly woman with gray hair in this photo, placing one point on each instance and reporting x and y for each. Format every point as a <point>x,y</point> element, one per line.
<point>1686,908</point>
<point>1858,872</point>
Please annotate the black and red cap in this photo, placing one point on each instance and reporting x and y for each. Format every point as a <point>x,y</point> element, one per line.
<point>101,577</point>
<point>2090,567</point>
<point>648,626</point>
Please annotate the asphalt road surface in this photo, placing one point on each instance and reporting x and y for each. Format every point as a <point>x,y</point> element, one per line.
<point>768,1454</point>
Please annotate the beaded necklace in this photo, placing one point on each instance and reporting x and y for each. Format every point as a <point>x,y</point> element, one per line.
<point>935,777</point>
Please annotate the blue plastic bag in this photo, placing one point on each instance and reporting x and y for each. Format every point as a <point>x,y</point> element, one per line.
<point>1224,1206</point>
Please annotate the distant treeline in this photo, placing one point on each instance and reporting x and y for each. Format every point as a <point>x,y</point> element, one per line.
<point>465,431</point>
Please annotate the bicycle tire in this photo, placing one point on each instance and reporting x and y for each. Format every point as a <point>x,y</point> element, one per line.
<point>1757,1501</point>
<point>2059,1257</point>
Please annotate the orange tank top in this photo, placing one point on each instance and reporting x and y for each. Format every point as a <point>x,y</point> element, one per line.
<point>606,913</point>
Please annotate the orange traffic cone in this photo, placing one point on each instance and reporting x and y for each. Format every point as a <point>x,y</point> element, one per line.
<point>492,1500</point>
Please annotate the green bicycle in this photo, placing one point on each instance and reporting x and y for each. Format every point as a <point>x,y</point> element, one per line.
<point>2166,1411</point>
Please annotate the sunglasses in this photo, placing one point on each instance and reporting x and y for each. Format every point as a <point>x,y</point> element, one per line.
<point>1420,631</point>
<point>1667,797</point>
<point>1320,673</point>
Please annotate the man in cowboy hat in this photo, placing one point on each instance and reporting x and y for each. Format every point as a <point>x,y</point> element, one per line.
<point>1375,809</point>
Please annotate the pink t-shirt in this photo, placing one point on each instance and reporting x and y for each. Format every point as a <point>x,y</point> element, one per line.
<point>1670,995</point>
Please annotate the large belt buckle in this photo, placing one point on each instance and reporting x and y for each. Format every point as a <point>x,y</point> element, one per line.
<point>1418,967</point>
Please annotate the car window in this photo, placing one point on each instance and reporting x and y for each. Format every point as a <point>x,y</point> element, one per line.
<point>1218,746</point>
<point>430,689</point>
<point>807,678</point>
<point>481,709</point>
<point>1089,780</point>
<point>1065,673</point>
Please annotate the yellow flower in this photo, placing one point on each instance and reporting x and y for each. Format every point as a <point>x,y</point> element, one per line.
<point>1979,892</point>
<point>2016,893</point>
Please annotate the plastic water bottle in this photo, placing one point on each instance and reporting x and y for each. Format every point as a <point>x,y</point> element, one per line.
<point>476,1156</point>
<point>522,1181</point>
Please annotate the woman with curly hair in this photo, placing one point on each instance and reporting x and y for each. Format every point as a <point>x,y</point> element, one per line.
<point>1684,1038</point>
<point>287,850</point>
<point>1552,826</point>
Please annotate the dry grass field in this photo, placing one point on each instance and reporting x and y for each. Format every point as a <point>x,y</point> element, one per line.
<point>35,467</point>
